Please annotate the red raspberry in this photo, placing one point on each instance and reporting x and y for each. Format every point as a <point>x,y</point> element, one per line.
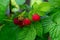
<point>35,17</point>
<point>26,21</point>
<point>21,24</point>
<point>16,21</point>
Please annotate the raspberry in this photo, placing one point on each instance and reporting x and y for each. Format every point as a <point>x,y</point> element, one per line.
<point>26,21</point>
<point>35,17</point>
<point>21,24</point>
<point>16,21</point>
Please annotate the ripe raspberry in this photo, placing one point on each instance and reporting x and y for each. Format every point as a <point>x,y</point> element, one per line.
<point>16,21</point>
<point>26,21</point>
<point>21,24</point>
<point>35,17</point>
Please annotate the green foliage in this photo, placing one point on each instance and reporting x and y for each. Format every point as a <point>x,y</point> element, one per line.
<point>34,1</point>
<point>42,9</point>
<point>52,25</point>
<point>56,17</point>
<point>53,11</point>
<point>3,7</point>
<point>36,9</point>
<point>20,2</point>
<point>55,3</point>
<point>27,33</point>
<point>39,29</point>
<point>55,33</point>
<point>45,7</point>
<point>48,24</point>
<point>12,32</point>
<point>8,32</point>
<point>38,38</point>
<point>30,15</point>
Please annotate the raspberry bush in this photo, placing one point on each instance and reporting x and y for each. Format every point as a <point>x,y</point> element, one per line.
<point>29,20</point>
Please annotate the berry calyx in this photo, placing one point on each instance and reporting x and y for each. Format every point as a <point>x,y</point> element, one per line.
<point>16,21</point>
<point>20,18</point>
<point>35,17</point>
<point>26,21</point>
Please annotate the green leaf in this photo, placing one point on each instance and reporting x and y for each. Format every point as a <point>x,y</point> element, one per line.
<point>20,2</point>
<point>3,6</point>
<point>36,9</point>
<point>56,17</point>
<point>34,1</point>
<point>38,38</point>
<point>8,32</point>
<point>48,24</point>
<point>39,29</point>
<point>42,9</point>
<point>30,15</point>
<point>45,7</point>
<point>1,26</point>
<point>53,11</point>
<point>55,33</point>
<point>52,25</point>
<point>55,3</point>
<point>27,33</point>
<point>12,32</point>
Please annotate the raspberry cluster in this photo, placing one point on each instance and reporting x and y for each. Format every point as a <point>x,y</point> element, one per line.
<point>26,21</point>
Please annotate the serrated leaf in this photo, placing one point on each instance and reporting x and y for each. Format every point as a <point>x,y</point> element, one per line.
<point>27,33</point>
<point>56,17</point>
<point>55,3</point>
<point>55,33</point>
<point>41,9</point>
<point>48,24</point>
<point>45,7</point>
<point>53,11</point>
<point>12,32</point>
<point>36,9</point>
<point>8,32</point>
<point>52,26</point>
<point>3,6</point>
<point>39,29</point>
